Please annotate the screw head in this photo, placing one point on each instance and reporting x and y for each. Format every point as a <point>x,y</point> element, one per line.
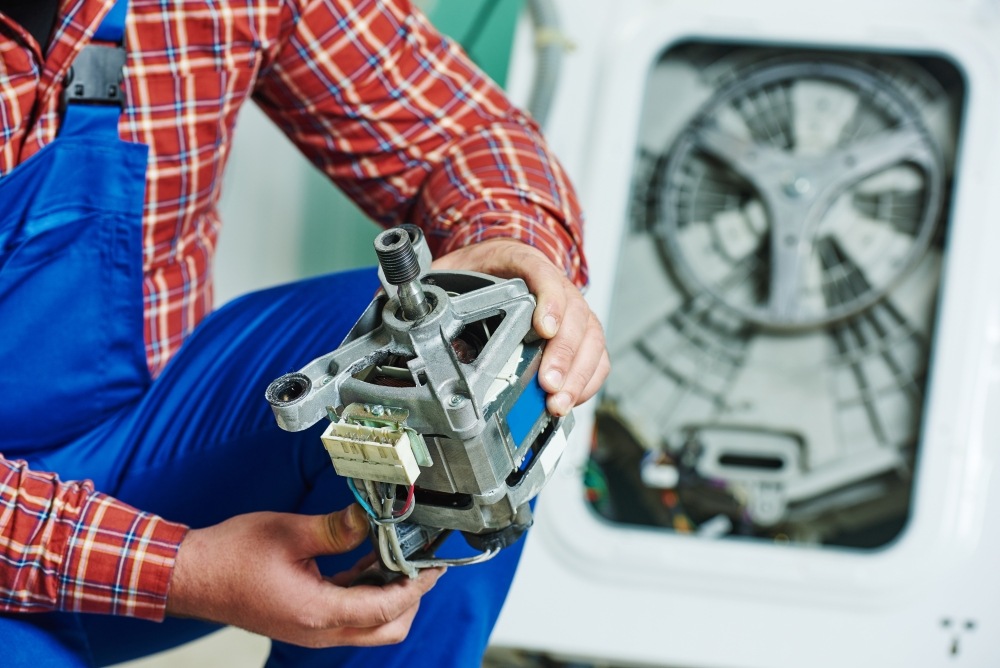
<point>798,186</point>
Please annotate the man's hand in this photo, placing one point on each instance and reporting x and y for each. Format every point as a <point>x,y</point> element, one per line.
<point>258,572</point>
<point>575,361</point>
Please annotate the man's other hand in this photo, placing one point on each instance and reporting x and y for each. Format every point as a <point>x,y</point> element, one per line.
<point>575,362</point>
<point>258,572</point>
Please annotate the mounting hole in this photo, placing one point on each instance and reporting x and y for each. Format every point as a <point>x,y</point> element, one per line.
<point>288,389</point>
<point>414,232</point>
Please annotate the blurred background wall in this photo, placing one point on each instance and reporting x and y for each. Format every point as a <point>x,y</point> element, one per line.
<point>282,218</point>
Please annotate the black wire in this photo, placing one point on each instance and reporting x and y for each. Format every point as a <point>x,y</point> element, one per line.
<point>475,30</point>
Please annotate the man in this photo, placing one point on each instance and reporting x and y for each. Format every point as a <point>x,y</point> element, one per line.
<point>111,372</point>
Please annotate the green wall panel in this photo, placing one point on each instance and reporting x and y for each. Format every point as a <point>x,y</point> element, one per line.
<point>337,235</point>
<point>484,28</point>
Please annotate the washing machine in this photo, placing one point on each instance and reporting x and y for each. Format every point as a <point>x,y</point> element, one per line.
<point>793,225</point>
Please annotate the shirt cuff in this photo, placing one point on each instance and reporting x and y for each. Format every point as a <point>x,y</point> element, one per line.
<point>118,561</point>
<point>527,227</point>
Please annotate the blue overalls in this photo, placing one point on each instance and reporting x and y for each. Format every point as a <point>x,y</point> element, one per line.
<point>196,445</point>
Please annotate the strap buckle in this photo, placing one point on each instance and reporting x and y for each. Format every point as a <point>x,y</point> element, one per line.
<point>96,76</point>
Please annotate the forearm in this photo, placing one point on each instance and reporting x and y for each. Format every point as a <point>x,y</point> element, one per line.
<point>64,546</point>
<point>412,131</point>
<point>500,181</point>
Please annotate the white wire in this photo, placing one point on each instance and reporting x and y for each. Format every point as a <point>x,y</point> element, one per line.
<point>467,561</point>
<point>401,561</point>
<point>392,552</point>
<point>388,560</point>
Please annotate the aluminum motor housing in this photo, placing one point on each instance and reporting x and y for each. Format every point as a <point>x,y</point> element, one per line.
<point>465,377</point>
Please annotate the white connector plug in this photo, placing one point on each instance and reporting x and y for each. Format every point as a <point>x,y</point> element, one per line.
<point>381,454</point>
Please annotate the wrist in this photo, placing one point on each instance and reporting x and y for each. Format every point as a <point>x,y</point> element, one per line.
<point>184,576</point>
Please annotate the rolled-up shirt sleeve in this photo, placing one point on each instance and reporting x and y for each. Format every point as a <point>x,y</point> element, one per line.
<point>412,131</point>
<point>64,546</point>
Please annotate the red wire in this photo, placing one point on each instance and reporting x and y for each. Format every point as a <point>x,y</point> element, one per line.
<point>409,501</point>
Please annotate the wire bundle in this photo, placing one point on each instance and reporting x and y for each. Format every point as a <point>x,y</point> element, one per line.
<point>385,521</point>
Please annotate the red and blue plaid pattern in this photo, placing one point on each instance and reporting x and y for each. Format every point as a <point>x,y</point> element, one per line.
<point>395,115</point>
<point>66,547</point>
<point>369,91</point>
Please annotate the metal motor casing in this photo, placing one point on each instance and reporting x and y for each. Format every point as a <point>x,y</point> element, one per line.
<point>491,443</point>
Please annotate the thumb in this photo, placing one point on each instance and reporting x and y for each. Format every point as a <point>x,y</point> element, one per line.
<point>341,531</point>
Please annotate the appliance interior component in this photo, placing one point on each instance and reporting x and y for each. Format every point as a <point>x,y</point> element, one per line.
<point>775,299</point>
<point>771,199</point>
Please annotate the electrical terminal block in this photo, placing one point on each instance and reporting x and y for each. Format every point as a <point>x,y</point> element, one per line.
<point>381,454</point>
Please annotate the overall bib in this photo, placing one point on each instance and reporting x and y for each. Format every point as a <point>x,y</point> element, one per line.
<point>196,445</point>
<point>71,276</point>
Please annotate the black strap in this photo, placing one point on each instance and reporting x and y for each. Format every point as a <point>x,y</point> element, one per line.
<point>36,16</point>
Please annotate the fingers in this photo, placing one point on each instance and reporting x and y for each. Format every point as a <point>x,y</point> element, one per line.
<point>366,616</point>
<point>388,634</point>
<point>368,606</point>
<point>584,365</point>
<point>277,590</point>
<point>345,578</point>
<point>603,368</point>
<point>575,361</point>
<point>335,533</point>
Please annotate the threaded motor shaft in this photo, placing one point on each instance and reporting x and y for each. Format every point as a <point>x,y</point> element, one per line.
<point>402,269</point>
<point>397,257</point>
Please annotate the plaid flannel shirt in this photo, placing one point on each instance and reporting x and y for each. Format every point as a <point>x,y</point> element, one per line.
<point>392,112</point>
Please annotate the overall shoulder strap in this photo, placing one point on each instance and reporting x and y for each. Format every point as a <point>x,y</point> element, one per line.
<point>92,92</point>
<point>112,28</point>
